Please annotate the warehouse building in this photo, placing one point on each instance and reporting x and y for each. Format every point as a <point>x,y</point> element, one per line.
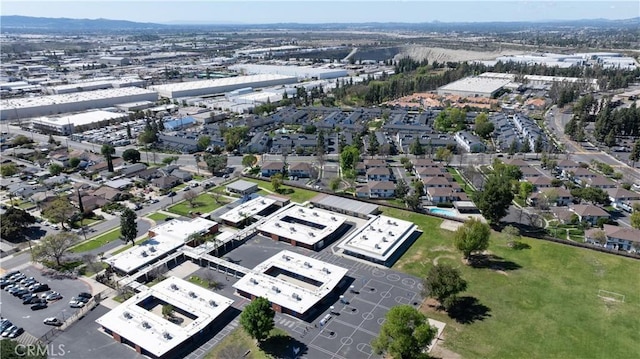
<point>67,125</point>
<point>100,84</point>
<point>310,228</point>
<point>28,107</point>
<point>301,72</point>
<point>115,60</point>
<point>382,240</point>
<point>139,322</point>
<point>474,87</point>
<point>219,86</point>
<point>294,284</point>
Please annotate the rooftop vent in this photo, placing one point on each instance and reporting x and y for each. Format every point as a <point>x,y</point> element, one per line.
<point>377,246</point>
<point>364,238</point>
<point>315,214</point>
<point>127,315</point>
<point>275,289</point>
<point>146,325</point>
<point>167,335</point>
<point>326,270</point>
<point>193,295</point>
<point>389,221</point>
<point>307,264</point>
<point>253,280</point>
<point>384,239</point>
<point>311,234</point>
<point>296,296</point>
<point>152,249</point>
<point>173,286</point>
<point>301,210</point>
<point>213,303</point>
<point>277,224</point>
<point>286,257</point>
<point>144,254</point>
<point>391,233</point>
<point>372,228</point>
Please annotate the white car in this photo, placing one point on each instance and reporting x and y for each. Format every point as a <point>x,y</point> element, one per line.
<point>55,226</point>
<point>76,304</point>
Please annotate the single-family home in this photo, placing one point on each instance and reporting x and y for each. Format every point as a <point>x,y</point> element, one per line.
<point>589,213</point>
<point>300,169</point>
<point>166,182</point>
<point>383,189</point>
<point>378,174</point>
<point>600,182</point>
<point>540,182</point>
<point>184,176</point>
<point>271,168</point>
<point>619,238</point>
<point>371,163</point>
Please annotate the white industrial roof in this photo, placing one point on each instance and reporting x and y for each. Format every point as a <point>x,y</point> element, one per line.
<point>304,225</point>
<point>228,81</point>
<point>296,294</point>
<point>298,71</point>
<point>80,119</point>
<point>156,334</point>
<point>379,238</point>
<point>26,102</point>
<point>476,84</point>
<point>247,209</point>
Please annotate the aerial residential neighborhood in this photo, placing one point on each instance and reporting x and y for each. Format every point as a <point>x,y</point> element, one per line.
<point>204,180</point>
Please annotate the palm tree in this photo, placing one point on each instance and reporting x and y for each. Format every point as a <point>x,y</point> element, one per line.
<point>108,150</point>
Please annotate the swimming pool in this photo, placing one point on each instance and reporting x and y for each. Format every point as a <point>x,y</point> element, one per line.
<point>444,212</point>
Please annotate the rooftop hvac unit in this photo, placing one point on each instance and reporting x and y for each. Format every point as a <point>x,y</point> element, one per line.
<point>307,264</point>
<point>193,295</point>
<point>315,214</point>
<point>377,246</point>
<point>326,270</point>
<point>384,239</point>
<point>127,315</point>
<point>146,325</point>
<point>311,234</point>
<point>301,210</point>
<point>167,335</point>
<point>152,249</point>
<point>372,228</point>
<point>173,286</point>
<point>364,238</point>
<point>333,218</point>
<point>296,296</point>
<point>275,289</point>
<point>286,257</point>
<point>253,280</point>
<point>213,303</point>
<point>277,224</point>
<point>293,229</point>
<point>262,201</point>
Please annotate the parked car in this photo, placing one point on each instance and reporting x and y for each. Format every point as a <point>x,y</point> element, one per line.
<point>76,304</point>
<point>20,292</point>
<point>30,299</point>
<point>52,321</point>
<point>41,287</point>
<point>38,306</point>
<point>8,331</point>
<point>16,333</point>
<point>53,296</point>
<point>4,325</point>
<point>10,274</point>
<point>80,299</point>
<point>85,295</point>
<point>171,194</point>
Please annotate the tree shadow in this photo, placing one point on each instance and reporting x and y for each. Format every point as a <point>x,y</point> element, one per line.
<point>283,346</point>
<point>466,310</point>
<point>494,262</point>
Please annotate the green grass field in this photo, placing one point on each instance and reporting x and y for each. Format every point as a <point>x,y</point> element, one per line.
<point>296,194</point>
<point>98,241</point>
<point>205,203</point>
<point>458,178</point>
<point>158,217</point>
<point>238,338</point>
<point>543,303</point>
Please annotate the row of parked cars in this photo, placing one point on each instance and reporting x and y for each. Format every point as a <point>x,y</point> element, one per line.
<point>9,330</point>
<point>27,289</point>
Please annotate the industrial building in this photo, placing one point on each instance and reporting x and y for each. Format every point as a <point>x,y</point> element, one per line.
<point>139,322</point>
<point>115,60</point>
<point>98,84</point>
<point>310,228</point>
<point>219,86</point>
<point>539,80</point>
<point>473,87</point>
<point>293,283</point>
<point>164,239</point>
<point>381,240</point>
<point>66,125</point>
<point>301,72</point>
<point>28,107</point>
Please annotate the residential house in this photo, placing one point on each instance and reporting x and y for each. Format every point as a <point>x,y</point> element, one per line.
<point>520,163</point>
<point>529,172</point>
<point>379,174</point>
<point>383,189</point>
<point>540,182</point>
<point>424,162</point>
<point>618,238</point>
<point>562,196</point>
<point>436,182</point>
<point>271,168</point>
<point>620,196</point>
<point>300,169</point>
<point>184,176</point>
<point>579,175</point>
<point>132,169</point>
<point>589,213</point>
<point>166,182</point>
<point>439,194</point>
<point>431,171</point>
<point>89,202</point>
<point>108,193</point>
<point>149,174</point>
<point>600,182</point>
<point>469,142</point>
<point>374,163</point>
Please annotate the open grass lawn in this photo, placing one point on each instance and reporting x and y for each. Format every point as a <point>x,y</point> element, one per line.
<point>458,178</point>
<point>543,303</point>
<point>296,194</point>
<point>203,203</point>
<point>98,241</point>
<point>273,347</point>
<point>158,217</point>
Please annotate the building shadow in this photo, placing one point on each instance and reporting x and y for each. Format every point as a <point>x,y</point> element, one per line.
<point>467,310</point>
<point>283,346</point>
<point>493,262</point>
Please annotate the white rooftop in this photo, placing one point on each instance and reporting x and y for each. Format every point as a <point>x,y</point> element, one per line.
<point>228,81</point>
<point>379,238</point>
<point>304,225</point>
<point>285,290</point>
<point>80,119</point>
<point>476,84</point>
<point>182,229</point>
<point>247,209</point>
<point>150,330</point>
<point>25,102</point>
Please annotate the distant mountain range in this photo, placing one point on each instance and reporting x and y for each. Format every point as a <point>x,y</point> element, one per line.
<point>16,23</point>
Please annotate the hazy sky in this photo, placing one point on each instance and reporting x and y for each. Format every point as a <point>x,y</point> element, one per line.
<point>305,11</point>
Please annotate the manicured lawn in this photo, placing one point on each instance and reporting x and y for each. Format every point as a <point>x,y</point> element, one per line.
<point>271,348</point>
<point>87,222</point>
<point>98,241</point>
<point>204,203</point>
<point>296,194</point>
<point>179,187</point>
<point>458,178</point>
<point>158,217</point>
<point>543,303</point>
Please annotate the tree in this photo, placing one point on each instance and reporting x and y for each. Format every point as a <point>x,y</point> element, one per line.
<point>538,146</point>
<point>52,141</point>
<point>482,126</point>
<point>21,140</point>
<point>413,201</point>
<point>249,160</point>
<point>107,151</point>
<point>418,187</point>
<point>526,188</point>
<point>277,181</point>
<point>131,155</point>
<point>634,156</point>
<point>444,154</point>
<point>257,318</point>
<point>190,196</point>
<point>374,145</point>
<point>401,188</point>
<point>128,226</point>
<point>334,183</point>
<point>416,148</point>
<point>511,232</point>
<point>404,334</point>
<point>13,222</point>
<point>169,160</point>
<point>635,219</point>
<point>471,237</point>
<point>203,142</point>
<point>8,170</point>
<point>349,157</point>
<point>148,137</point>
<point>599,236</point>
<point>215,163</point>
<point>59,211</point>
<point>496,197</point>
<point>74,162</point>
<point>55,169</point>
<point>12,349</point>
<point>54,247</point>
<point>129,136</point>
<point>167,310</point>
<point>443,283</point>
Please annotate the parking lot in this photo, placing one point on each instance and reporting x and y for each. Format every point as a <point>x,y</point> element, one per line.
<point>22,315</point>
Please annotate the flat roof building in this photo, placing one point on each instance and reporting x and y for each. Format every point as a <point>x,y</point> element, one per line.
<point>245,212</point>
<point>343,205</point>
<point>294,284</point>
<point>139,322</point>
<point>474,87</point>
<point>242,187</point>
<point>219,86</point>
<point>311,228</point>
<point>381,240</point>
<point>301,72</point>
<point>28,107</point>
<point>66,125</point>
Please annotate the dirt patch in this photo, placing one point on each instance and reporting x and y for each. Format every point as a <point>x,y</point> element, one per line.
<point>502,272</point>
<point>441,249</point>
<point>439,351</point>
<point>450,225</point>
<point>435,260</point>
<point>439,54</point>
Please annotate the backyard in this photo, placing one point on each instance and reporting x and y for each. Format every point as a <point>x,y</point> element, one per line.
<point>205,202</point>
<point>540,302</point>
